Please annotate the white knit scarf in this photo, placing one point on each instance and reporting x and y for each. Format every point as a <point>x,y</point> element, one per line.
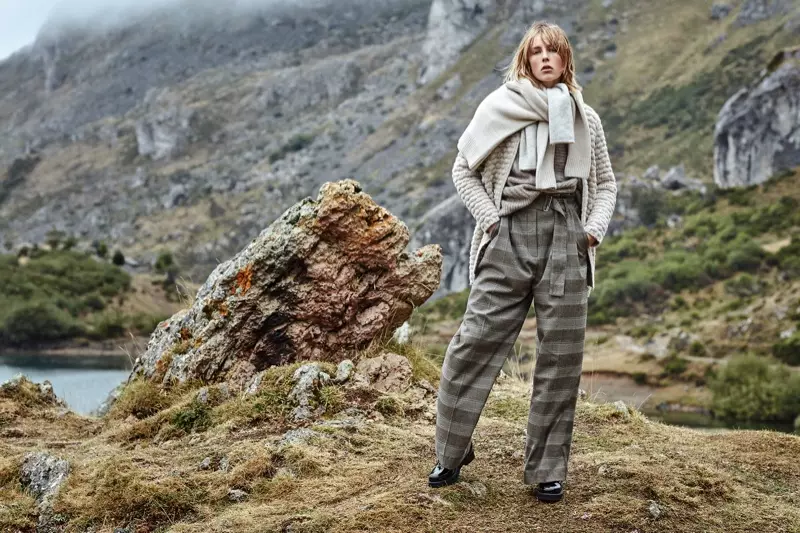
<point>545,116</point>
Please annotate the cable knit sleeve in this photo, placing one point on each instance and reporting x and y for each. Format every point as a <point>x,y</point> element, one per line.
<point>472,192</point>
<point>606,195</point>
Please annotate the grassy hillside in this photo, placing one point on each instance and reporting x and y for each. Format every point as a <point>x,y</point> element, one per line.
<point>168,463</point>
<point>56,296</point>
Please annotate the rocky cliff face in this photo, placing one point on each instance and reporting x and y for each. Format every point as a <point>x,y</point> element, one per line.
<point>758,131</point>
<point>193,128</point>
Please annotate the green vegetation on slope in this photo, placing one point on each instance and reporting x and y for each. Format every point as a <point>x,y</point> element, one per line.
<point>59,295</point>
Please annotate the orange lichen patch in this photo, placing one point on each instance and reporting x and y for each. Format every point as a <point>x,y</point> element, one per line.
<point>162,365</point>
<point>185,333</point>
<point>223,309</point>
<point>244,280</point>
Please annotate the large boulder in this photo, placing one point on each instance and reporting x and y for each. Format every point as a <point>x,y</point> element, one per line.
<point>758,130</point>
<point>325,279</point>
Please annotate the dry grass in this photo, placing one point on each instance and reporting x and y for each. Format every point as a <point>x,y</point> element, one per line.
<point>370,476</point>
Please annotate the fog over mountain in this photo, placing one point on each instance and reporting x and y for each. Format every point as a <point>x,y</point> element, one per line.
<point>20,23</point>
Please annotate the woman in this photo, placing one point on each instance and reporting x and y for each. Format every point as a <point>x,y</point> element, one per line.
<point>533,169</point>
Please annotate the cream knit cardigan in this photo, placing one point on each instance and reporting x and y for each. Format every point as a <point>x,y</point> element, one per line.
<point>481,190</point>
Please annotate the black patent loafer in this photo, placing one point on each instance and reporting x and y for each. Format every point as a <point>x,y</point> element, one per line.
<point>552,491</point>
<point>441,476</point>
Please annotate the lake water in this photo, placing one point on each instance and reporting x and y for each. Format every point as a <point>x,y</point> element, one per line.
<point>82,381</point>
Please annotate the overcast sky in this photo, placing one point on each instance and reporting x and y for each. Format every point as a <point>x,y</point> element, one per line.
<point>19,22</point>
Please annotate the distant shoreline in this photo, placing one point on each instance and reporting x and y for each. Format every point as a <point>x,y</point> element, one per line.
<point>124,347</point>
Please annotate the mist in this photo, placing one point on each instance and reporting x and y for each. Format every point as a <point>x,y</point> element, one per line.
<point>21,23</point>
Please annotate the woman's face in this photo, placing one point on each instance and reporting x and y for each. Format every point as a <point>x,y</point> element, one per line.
<point>546,65</point>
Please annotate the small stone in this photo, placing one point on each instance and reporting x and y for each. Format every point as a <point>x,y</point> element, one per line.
<point>254,385</point>
<point>236,495</point>
<point>224,465</point>
<point>720,11</point>
<point>297,436</point>
<point>402,334</point>
<point>205,464</point>
<point>655,510</point>
<point>477,489</point>
<point>42,475</point>
<point>344,371</point>
<point>623,408</point>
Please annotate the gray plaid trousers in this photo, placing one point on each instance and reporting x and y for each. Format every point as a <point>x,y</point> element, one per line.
<point>537,256</point>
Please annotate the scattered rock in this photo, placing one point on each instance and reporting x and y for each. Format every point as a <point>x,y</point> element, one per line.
<point>402,334</point>
<point>388,372</point>
<point>236,495</point>
<point>42,475</point>
<point>655,510</point>
<point>297,436</point>
<point>652,173</point>
<point>675,179</point>
<point>205,464</point>
<point>225,465</point>
<point>757,10</point>
<point>623,408</point>
<point>787,333</point>
<point>343,371</point>
<point>673,221</point>
<point>477,489</point>
<point>720,11</point>
<point>165,130</point>
<point>213,395</point>
<point>308,379</point>
<point>254,385</point>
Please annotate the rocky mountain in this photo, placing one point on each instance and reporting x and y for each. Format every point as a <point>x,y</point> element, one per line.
<point>193,127</point>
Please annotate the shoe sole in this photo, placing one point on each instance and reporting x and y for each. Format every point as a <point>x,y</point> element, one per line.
<point>467,460</point>
<point>549,498</point>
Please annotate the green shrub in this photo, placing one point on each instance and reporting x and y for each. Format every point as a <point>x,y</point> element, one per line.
<point>674,365</point>
<point>37,323</point>
<point>194,417</point>
<point>697,349</point>
<point>745,258</point>
<point>788,350</point>
<point>744,285</point>
<point>108,325</point>
<point>750,388</point>
<point>118,259</point>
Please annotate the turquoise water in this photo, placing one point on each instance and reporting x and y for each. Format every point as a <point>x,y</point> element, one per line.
<point>82,381</point>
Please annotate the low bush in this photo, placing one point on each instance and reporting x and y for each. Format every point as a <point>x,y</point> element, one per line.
<point>788,350</point>
<point>751,388</point>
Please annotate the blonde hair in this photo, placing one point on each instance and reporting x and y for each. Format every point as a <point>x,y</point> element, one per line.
<point>552,35</point>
